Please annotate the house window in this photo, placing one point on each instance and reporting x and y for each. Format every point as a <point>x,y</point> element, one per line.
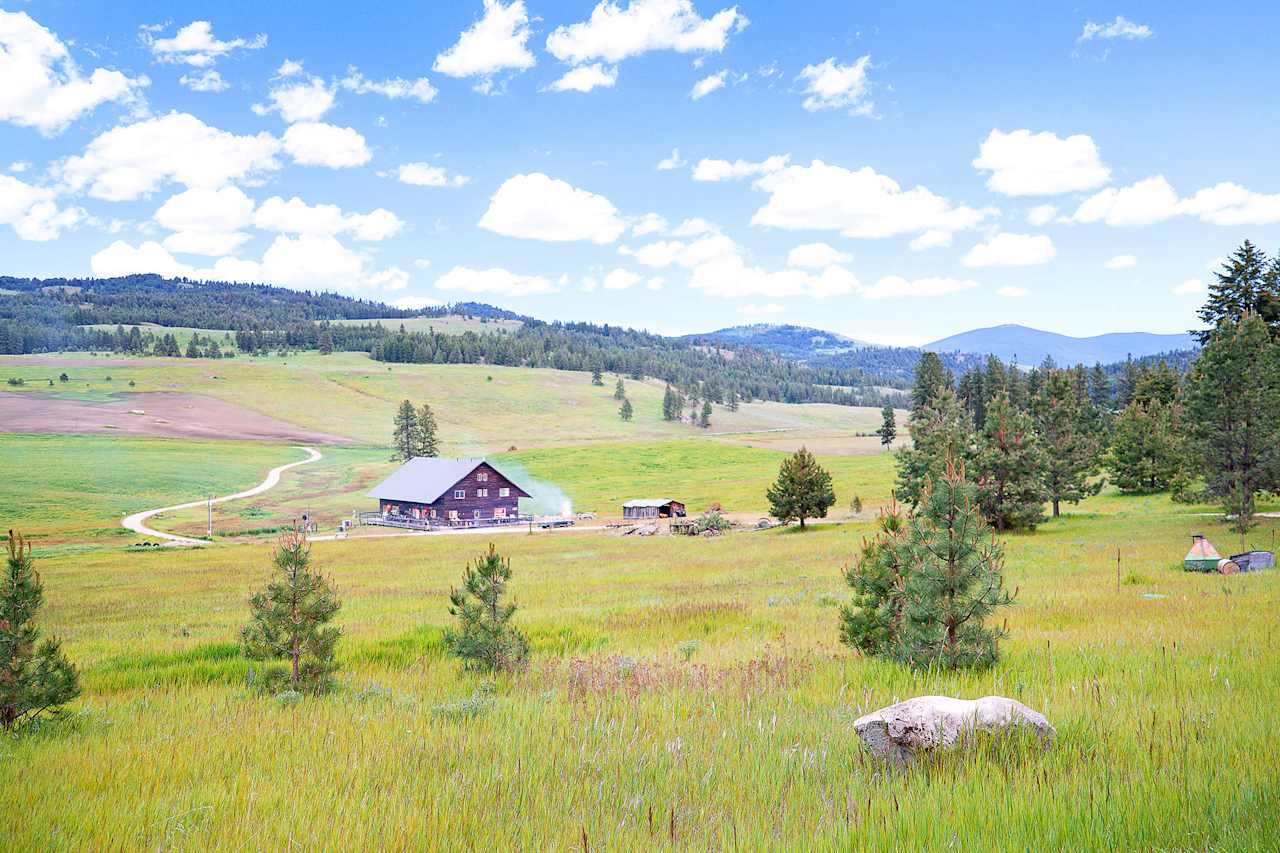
<point>459,494</point>
<point>482,477</point>
<point>475,513</point>
<point>453,515</point>
<point>482,493</point>
<point>504,493</point>
<point>500,512</point>
<point>433,513</point>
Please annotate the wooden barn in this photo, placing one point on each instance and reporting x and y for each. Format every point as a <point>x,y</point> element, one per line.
<point>653,508</point>
<point>426,492</point>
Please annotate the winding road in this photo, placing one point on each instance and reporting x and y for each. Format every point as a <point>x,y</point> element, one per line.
<point>137,521</point>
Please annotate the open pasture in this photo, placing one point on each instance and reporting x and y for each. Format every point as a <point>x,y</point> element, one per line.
<point>1161,688</point>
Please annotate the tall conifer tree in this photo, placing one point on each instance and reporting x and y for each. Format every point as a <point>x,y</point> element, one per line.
<point>1009,468</point>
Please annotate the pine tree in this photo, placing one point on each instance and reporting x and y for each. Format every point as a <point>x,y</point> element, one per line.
<point>1009,468</point>
<point>289,618</point>
<point>626,411</point>
<point>425,442</point>
<point>1146,447</point>
<point>193,349</point>
<point>938,432</point>
<point>1233,415</point>
<point>405,438</point>
<point>671,405</point>
<point>704,419</point>
<point>324,341</point>
<point>931,378</point>
<point>1100,393</point>
<point>888,425</point>
<point>484,638</point>
<point>1071,443</point>
<point>619,391</point>
<point>732,403</point>
<point>803,489</point>
<point>596,377</point>
<point>1246,284</point>
<point>873,622</point>
<point>36,679</point>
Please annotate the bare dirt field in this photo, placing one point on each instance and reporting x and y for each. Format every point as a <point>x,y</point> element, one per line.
<point>156,413</point>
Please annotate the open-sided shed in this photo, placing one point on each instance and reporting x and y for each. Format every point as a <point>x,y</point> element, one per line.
<point>653,508</point>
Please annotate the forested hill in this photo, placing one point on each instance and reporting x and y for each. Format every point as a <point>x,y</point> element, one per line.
<point>1012,343</point>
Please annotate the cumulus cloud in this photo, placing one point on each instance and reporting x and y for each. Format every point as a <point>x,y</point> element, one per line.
<point>295,216</point>
<point>42,86</point>
<point>935,238</point>
<point>614,33</point>
<point>318,144</point>
<point>32,212</point>
<point>1023,163</point>
<point>206,221</point>
<point>416,303</point>
<point>862,203</point>
<point>1121,262</point>
<point>1231,204</point>
<point>1142,203</point>
<point>494,280</point>
<point>196,45</point>
<point>621,279</point>
<point>426,175</point>
<point>584,78</point>
<point>670,163</point>
<point>395,88</point>
<point>723,170</point>
<point>1120,28</point>
<point>491,45</point>
<point>650,223</point>
<point>538,207</point>
<point>816,255</point>
<point>132,161</point>
<point>832,86</point>
<point>302,101</point>
<point>207,81</point>
<point>1011,250</point>
<point>707,85</point>
<point>897,287</point>
<point>1041,214</point>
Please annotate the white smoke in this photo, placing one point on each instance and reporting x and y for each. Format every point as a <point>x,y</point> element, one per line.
<point>547,498</point>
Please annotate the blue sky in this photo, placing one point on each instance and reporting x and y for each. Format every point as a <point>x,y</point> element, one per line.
<point>895,172</point>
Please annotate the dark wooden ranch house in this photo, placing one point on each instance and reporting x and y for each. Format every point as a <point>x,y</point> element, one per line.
<point>448,491</point>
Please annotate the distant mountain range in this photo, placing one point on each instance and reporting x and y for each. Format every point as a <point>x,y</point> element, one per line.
<point>1029,346</point>
<point>798,343</point>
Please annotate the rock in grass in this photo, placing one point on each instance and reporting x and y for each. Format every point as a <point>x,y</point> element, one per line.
<point>901,733</point>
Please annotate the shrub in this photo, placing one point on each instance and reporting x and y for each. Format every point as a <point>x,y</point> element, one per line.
<point>484,638</point>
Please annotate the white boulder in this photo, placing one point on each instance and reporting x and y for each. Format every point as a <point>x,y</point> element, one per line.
<point>900,733</point>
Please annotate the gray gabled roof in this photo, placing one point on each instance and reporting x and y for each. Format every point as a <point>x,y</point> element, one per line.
<point>424,479</point>
<point>649,502</point>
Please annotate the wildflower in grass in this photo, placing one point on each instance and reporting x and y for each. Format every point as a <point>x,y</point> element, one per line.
<point>35,677</point>
<point>290,617</point>
<point>484,638</point>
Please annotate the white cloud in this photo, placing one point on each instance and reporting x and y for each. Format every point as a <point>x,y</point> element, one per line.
<point>1011,250</point>
<point>426,175</point>
<point>196,45</point>
<point>694,227</point>
<point>832,86</point>
<point>422,263</point>
<point>537,207</point>
<point>584,78</point>
<point>42,86</point>
<point>621,279</point>
<point>390,279</point>
<point>862,203</point>
<point>817,255</point>
<point>295,216</point>
<point>614,33</point>
<point>214,245</point>
<point>1120,28</point>
<point>492,44</point>
<point>655,283</point>
<point>1121,262</point>
<point>933,239</point>
<point>318,144</point>
<point>416,303</point>
<point>377,225</point>
<point>768,308</point>
<point>650,223</point>
<point>1041,215</point>
<point>395,88</point>
<point>707,85</point>
<point>206,211</point>
<point>1143,203</point>
<point>32,211</point>
<point>1023,163</point>
<point>1010,291</point>
<point>207,81</point>
<point>897,287</point>
<point>289,68</point>
<point>20,166</point>
<point>120,258</point>
<point>307,101</point>
<point>1231,204</point>
<point>494,280</point>
<point>672,162</point>
<point>723,170</point>
<point>131,161</point>
<point>1190,287</point>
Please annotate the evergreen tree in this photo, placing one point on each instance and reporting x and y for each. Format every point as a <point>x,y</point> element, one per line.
<point>930,379</point>
<point>193,349</point>
<point>35,677</point>
<point>888,425</point>
<point>704,419</point>
<point>1070,441</point>
<point>626,411</point>
<point>596,377</point>
<point>404,440</point>
<point>1100,393</point>
<point>289,618</point>
<point>484,637</point>
<point>1010,467</point>
<point>939,432</point>
<point>672,405</point>
<point>425,441</point>
<point>324,341</point>
<point>1233,415</point>
<point>732,403</point>
<point>619,392</point>
<point>803,489</point>
<point>1146,447</point>
<point>873,622</point>
<point>1247,284</point>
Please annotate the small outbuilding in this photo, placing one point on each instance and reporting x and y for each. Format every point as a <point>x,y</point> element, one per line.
<point>653,508</point>
<point>1202,557</point>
